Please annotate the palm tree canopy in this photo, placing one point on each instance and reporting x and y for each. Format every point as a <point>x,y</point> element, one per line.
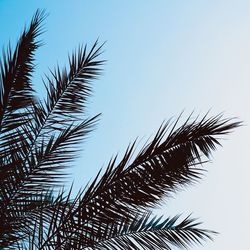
<point>39,139</point>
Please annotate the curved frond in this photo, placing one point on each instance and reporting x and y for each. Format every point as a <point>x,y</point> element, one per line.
<point>167,163</point>
<point>153,233</point>
<point>143,232</point>
<point>16,70</point>
<point>67,92</point>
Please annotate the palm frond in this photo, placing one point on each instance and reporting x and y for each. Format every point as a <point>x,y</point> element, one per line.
<point>143,232</point>
<point>16,68</point>
<point>38,135</point>
<point>161,167</point>
<point>153,233</point>
<point>67,92</point>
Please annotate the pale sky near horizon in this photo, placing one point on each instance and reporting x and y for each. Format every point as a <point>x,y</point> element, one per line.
<point>163,57</point>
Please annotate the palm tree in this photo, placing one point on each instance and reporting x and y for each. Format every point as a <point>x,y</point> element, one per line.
<point>39,138</point>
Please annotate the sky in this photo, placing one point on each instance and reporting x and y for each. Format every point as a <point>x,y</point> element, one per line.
<point>163,57</point>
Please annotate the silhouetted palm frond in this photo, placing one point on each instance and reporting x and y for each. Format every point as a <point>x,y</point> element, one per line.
<point>16,92</point>
<point>143,232</point>
<point>164,165</point>
<point>67,92</point>
<point>153,233</point>
<point>16,71</point>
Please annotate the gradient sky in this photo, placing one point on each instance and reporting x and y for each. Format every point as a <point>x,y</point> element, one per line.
<point>163,57</point>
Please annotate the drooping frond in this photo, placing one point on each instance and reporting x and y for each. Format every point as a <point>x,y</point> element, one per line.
<point>161,167</point>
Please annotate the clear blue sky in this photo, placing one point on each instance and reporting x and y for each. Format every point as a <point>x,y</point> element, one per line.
<point>162,57</point>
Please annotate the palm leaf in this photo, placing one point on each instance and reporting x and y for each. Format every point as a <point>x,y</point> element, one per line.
<point>161,167</point>
<point>143,232</point>
<point>153,233</point>
<point>67,92</point>
<point>16,92</point>
<point>16,70</point>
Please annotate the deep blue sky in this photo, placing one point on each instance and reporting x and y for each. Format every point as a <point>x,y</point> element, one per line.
<point>162,57</point>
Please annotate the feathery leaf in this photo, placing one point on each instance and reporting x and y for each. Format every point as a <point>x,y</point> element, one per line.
<point>161,167</point>
<point>153,233</point>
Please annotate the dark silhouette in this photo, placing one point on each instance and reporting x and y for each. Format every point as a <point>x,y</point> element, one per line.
<point>38,140</point>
